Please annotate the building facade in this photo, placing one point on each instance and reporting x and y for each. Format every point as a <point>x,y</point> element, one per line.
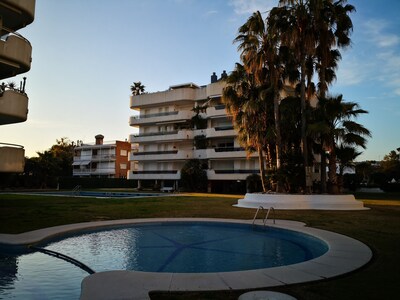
<point>15,59</point>
<point>102,159</point>
<point>186,122</point>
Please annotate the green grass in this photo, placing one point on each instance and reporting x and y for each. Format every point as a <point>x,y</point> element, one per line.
<point>378,227</point>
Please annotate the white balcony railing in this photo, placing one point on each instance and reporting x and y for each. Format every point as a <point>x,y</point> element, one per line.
<point>152,175</point>
<point>185,134</point>
<point>166,117</point>
<point>162,155</point>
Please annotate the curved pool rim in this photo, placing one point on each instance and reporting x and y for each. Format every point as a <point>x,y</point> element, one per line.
<point>344,255</point>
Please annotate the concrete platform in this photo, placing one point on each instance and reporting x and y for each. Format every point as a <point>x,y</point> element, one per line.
<point>300,201</point>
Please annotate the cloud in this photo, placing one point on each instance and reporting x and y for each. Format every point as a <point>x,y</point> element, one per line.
<point>246,7</point>
<point>376,28</point>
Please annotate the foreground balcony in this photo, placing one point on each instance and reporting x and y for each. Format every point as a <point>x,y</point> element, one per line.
<point>17,14</point>
<point>13,107</point>
<point>15,56</point>
<point>222,153</point>
<point>12,158</point>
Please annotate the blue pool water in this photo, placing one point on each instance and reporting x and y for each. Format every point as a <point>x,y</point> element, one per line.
<point>98,194</point>
<point>157,247</point>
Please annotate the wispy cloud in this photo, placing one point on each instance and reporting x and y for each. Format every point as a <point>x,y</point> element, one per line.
<point>245,7</point>
<point>376,30</point>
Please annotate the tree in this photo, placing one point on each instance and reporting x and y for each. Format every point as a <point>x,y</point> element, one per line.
<point>334,127</point>
<point>242,97</point>
<point>51,164</point>
<point>137,88</point>
<point>346,156</point>
<point>193,176</point>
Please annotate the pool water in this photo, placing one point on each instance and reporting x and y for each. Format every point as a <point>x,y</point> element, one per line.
<point>183,247</point>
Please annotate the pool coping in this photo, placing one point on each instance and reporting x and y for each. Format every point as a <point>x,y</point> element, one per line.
<point>345,255</point>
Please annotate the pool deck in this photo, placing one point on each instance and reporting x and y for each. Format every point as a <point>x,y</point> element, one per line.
<point>344,255</point>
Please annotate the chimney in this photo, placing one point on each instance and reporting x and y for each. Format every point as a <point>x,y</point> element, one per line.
<point>214,78</point>
<point>99,139</point>
<point>224,75</point>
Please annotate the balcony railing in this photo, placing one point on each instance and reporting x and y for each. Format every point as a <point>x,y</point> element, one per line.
<point>12,158</point>
<point>15,56</point>
<point>241,171</point>
<point>13,106</point>
<point>156,172</point>
<point>170,113</point>
<point>228,149</point>
<point>155,152</point>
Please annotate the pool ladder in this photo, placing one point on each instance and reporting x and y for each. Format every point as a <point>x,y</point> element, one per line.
<point>76,191</point>
<point>266,215</point>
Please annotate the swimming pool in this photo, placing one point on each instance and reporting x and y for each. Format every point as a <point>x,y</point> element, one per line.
<point>158,247</point>
<point>97,194</point>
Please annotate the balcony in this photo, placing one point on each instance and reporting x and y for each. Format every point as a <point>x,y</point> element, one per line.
<point>15,56</point>
<point>170,96</point>
<point>166,117</point>
<point>17,14</point>
<point>162,155</point>
<point>222,153</point>
<point>153,175</point>
<point>176,135</point>
<point>216,111</point>
<point>230,174</point>
<point>13,107</point>
<point>12,158</point>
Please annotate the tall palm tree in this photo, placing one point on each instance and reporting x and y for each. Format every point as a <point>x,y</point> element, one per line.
<point>260,57</point>
<point>291,21</point>
<point>242,97</point>
<point>334,127</point>
<point>137,88</point>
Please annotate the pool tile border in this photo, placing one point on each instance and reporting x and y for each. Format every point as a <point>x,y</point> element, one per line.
<point>345,255</point>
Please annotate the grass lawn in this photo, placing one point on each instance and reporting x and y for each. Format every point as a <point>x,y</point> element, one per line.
<point>378,227</point>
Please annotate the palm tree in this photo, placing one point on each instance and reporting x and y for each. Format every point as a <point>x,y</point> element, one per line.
<point>346,156</point>
<point>137,88</point>
<point>242,97</point>
<point>334,127</point>
<point>260,57</point>
<point>291,21</point>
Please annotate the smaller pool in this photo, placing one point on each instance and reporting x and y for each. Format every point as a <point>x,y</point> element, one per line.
<point>190,247</point>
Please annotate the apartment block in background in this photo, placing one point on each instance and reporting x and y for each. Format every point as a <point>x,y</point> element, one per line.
<point>186,122</point>
<point>15,59</point>
<point>102,159</point>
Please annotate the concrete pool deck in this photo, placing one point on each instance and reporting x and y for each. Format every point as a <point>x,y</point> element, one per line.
<point>344,255</point>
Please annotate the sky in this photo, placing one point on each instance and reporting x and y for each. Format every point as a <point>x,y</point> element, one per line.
<point>86,55</point>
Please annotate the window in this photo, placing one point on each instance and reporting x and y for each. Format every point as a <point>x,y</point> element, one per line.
<point>122,166</point>
<point>123,152</point>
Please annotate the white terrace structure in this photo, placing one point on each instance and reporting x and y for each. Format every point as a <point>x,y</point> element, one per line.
<point>15,59</point>
<point>167,138</point>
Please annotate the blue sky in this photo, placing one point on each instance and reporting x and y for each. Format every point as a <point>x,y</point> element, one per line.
<point>86,54</point>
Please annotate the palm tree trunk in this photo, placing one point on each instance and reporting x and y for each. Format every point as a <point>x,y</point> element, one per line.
<point>262,169</point>
<point>304,147</point>
<point>323,171</point>
<point>278,145</point>
<point>332,171</point>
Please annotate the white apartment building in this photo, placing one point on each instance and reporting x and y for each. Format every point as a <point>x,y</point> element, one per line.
<point>167,138</point>
<point>102,159</point>
<point>15,59</point>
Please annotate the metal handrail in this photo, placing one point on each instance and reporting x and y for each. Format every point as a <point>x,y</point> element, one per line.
<point>64,257</point>
<point>266,216</point>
